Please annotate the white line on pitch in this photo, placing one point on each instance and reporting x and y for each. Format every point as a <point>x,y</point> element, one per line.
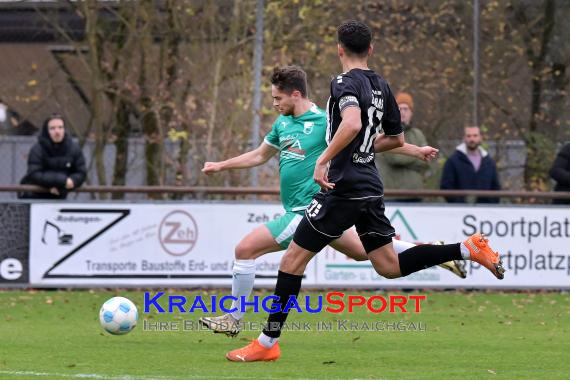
<point>117,377</point>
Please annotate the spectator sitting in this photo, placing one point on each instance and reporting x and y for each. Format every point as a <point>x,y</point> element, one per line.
<point>560,172</point>
<point>399,171</point>
<point>55,162</point>
<point>470,168</point>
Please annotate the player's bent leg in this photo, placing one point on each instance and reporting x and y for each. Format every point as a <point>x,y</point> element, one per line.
<point>385,261</point>
<point>350,245</point>
<point>475,248</point>
<point>266,347</point>
<point>401,245</point>
<point>307,240</point>
<point>416,258</point>
<point>295,259</point>
<point>255,244</point>
<point>457,267</point>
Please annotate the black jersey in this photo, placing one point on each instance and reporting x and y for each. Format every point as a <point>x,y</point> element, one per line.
<point>353,170</point>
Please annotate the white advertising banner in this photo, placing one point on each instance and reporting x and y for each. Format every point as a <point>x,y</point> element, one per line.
<point>144,244</point>
<point>193,244</point>
<point>534,243</point>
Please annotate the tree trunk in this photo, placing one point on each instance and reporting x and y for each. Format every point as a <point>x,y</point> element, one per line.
<point>96,90</point>
<point>121,147</point>
<point>215,97</point>
<point>538,144</point>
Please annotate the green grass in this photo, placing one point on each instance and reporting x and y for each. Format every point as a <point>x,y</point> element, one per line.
<point>56,334</point>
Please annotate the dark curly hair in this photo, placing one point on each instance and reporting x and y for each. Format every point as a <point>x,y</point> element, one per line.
<point>355,37</point>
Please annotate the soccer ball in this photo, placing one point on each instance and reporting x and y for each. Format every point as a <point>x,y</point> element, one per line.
<point>118,316</point>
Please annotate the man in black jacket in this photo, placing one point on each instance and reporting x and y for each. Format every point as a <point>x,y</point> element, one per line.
<point>55,162</point>
<point>470,168</point>
<point>560,172</point>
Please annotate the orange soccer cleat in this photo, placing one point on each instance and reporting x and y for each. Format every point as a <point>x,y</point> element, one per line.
<point>254,352</point>
<point>482,253</point>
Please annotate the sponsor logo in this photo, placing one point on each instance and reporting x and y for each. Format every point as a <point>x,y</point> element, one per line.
<point>178,233</point>
<point>360,158</point>
<point>62,237</point>
<point>56,235</point>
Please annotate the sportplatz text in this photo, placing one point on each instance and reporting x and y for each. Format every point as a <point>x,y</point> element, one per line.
<point>336,302</point>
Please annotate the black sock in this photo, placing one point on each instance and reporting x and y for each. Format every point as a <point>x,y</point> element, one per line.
<point>287,285</point>
<point>425,256</point>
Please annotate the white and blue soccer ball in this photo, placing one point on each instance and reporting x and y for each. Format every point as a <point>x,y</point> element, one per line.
<point>118,316</point>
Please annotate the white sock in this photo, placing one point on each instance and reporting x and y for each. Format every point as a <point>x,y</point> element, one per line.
<point>465,252</point>
<point>267,341</point>
<point>400,245</point>
<point>243,277</point>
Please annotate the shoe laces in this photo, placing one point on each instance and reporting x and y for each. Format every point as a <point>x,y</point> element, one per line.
<point>483,239</point>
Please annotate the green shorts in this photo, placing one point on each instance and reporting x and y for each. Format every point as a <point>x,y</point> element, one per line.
<point>283,228</point>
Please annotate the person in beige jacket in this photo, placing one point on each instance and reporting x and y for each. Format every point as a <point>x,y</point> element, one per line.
<point>398,171</point>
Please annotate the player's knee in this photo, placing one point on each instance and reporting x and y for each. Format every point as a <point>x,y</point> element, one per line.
<point>244,251</point>
<point>389,269</point>
<point>390,274</point>
<point>289,264</point>
<point>294,263</point>
<point>356,254</point>
<point>361,256</point>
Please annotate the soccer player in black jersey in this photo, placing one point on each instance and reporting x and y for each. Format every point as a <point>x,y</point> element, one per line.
<point>363,117</point>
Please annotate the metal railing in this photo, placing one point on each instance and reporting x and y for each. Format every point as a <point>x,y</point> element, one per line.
<point>219,190</point>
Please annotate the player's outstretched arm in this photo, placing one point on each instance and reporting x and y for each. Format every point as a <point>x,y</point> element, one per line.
<point>423,153</point>
<point>250,159</point>
<point>383,143</point>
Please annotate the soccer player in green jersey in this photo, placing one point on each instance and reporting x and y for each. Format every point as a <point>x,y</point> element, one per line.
<point>298,135</point>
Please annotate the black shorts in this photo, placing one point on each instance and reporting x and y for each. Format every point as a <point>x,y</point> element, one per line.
<point>328,216</point>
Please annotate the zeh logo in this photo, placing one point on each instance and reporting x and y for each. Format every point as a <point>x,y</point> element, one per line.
<point>178,233</point>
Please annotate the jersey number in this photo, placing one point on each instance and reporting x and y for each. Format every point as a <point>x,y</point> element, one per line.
<point>313,209</point>
<point>372,129</point>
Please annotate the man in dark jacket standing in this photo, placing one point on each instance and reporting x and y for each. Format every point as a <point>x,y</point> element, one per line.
<point>560,172</point>
<point>55,162</point>
<point>470,168</point>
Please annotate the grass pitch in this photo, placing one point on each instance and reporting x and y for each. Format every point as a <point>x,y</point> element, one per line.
<point>56,335</point>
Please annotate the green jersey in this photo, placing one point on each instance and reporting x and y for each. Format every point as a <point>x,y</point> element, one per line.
<point>300,141</point>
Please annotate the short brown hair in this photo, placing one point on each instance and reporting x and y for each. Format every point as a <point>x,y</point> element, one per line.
<point>289,79</point>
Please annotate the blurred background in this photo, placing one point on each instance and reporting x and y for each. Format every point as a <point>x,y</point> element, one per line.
<point>152,89</point>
